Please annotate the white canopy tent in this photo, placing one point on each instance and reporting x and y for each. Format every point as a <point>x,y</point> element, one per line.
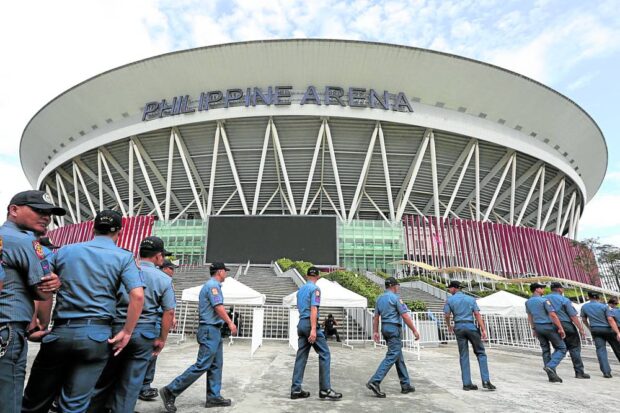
<point>234,292</point>
<point>503,303</point>
<point>332,295</point>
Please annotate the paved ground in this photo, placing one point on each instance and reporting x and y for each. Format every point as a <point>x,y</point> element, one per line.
<point>262,383</point>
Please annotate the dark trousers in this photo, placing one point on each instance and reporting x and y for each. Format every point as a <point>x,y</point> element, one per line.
<point>602,336</point>
<point>121,381</point>
<point>573,343</point>
<point>149,376</point>
<point>465,336</point>
<point>322,349</point>
<point>332,332</point>
<point>13,367</point>
<point>548,335</point>
<point>394,356</point>
<point>69,363</point>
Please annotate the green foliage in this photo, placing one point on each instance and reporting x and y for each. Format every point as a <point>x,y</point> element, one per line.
<point>285,263</point>
<point>301,266</point>
<point>416,305</point>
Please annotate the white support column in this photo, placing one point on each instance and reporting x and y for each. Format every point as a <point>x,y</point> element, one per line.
<point>188,206</point>
<point>541,193</point>
<point>386,173</point>
<point>577,217</point>
<point>332,155</point>
<point>459,181</point>
<point>61,186</point>
<point>359,190</point>
<point>376,207</point>
<point>561,209</point>
<point>552,204</point>
<point>233,168</point>
<point>114,188</point>
<point>130,192</point>
<point>513,189</point>
<point>261,167</point>
<point>313,201</point>
<point>573,198</point>
<point>414,169</point>
<point>529,195</point>
<point>497,189</point>
<point>226,202</point>
<point>76,190</point>
<point>477,177</point>
<point>48,190</point>
<point>417,211</point>
<point>571,227</point>
<point>100,182</point>
<point>269,201</point>
<point>169,176</point>
<point>85,189</point>
<point>434,176</point>
<point>315,156</point>
<point>287,182</point>
<point>147,179</point>
<point>331,202</point>
<point>188,173</point>
<point>216,143</point>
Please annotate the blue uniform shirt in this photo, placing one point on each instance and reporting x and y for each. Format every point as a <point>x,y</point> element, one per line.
<point>309,295</point>
<point>158,296</point>
<point>563,306</point>
<point>597,314</point>
<point>23,265</point>
<point>209,298</point>
<point>390,307</point>
<point>462,306</point>
<point>91,273</point>
<point>539,308</point>
<point>615,313</point>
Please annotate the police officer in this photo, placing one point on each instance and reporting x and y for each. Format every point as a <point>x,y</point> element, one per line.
<point>25,276</point>
<point>310,335</point>
<point>547,327</point>
<point>147,393</point>
<point>599,319</point>
<point>464,309</point>
<point>121,380</point>
<point>572,326</point>
<point>210,357</point>
<point>392,311</point>
<point>74,353</point>
<point>615,311</point>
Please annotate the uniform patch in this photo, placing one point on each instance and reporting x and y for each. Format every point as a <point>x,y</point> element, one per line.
<point>38,249</point>
<point>317,293</point>
<point>548,302</point>
<point>214,291</point>
<point>45,266</point>
<point>1,243</point>
<point>401,301</point>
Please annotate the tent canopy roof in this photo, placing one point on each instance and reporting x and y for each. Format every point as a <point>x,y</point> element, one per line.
<point>332,295</point>
<point>234,292</point>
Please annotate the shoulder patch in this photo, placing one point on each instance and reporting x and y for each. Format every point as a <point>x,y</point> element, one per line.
<point>1,244</point>
<point>38,249</point>
<point>214,291</point>
<point>317,293</point>
<point>400,300</point>
<point>548,302</point>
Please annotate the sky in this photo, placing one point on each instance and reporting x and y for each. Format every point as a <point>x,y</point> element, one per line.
<point>572,46</point>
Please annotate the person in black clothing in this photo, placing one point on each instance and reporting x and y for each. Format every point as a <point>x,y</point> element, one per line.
<point>330,327</point>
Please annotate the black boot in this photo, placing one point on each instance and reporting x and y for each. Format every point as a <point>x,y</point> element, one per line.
<point>330,394</point>
<point>301,394</point>
<point>168,399</point>
<point>217,402</point>
<point>375,389</point>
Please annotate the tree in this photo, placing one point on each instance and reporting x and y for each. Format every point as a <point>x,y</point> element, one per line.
<point>585,259</point>
<point>609,258</point>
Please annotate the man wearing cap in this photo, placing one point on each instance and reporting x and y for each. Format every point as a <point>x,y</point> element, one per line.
<point>464,309</point>
<point>572,327</point>
<point>148,393</point>
<point>392,311</point>
<point>25,276</point>
<point>615,311</point>
<point>121,380</point>
<point>79,343</point>
<point>310,335</point>
<point>598,318</point>
<point>547,327</point>
<point>210,359</point>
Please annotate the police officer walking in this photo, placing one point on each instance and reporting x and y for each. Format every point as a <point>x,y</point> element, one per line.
<point>392,311</point>
<point>147,393</point>
<point>25,276</point>
<point>547,327</point>
<point>464,309</point>
<point>572,327</point>
<point>121,380</point>
<point>599,319</point>
<point>310,335</point>
<point>210,359</point>
<point>74,353</point>
<point>615,311</point>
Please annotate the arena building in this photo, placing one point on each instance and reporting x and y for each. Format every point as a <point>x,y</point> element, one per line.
<point>420,155</point>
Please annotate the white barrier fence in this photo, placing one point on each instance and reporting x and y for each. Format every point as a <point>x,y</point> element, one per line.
<point>280,323</point>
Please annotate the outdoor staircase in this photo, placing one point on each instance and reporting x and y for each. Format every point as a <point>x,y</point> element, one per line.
<point>433,303</point>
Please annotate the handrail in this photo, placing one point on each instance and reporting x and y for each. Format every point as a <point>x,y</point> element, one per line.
<point>295,276</point>
<point>247,268</point>
<point>427,288</point>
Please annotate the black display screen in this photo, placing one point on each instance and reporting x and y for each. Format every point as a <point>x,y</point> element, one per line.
<point>263,239</point>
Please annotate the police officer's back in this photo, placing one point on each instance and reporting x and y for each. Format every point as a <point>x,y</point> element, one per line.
<point>25,276</point>
<point>91,273</point>
<point>598,317</point>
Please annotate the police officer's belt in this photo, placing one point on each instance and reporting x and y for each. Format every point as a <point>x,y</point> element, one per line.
<point>82,321</point>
